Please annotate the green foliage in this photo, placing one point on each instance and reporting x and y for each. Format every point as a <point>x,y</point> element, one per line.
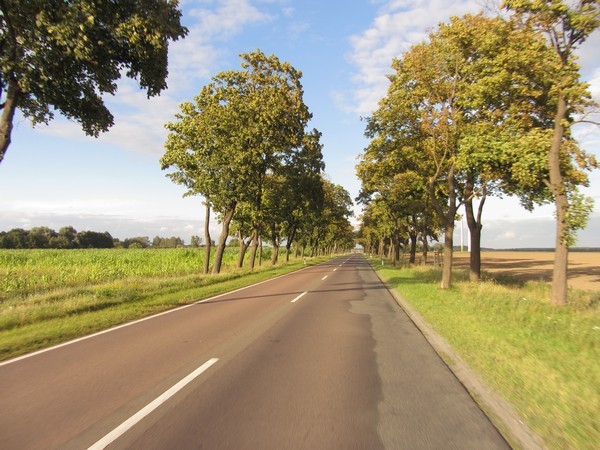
<point>137,242</point>
<point>241,126</point>
<point>64,55</point>
<point>578,212</point>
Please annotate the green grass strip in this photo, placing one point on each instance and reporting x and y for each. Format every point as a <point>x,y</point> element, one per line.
<point>544,360</point>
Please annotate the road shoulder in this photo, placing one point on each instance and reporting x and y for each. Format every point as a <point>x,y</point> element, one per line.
<point>500,412</point>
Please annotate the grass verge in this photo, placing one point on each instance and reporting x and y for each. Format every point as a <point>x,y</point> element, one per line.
<point>544,360</point>
<point>41,320</point>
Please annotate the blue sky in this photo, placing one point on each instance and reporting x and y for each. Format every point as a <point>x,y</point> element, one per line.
<point>55,175</point>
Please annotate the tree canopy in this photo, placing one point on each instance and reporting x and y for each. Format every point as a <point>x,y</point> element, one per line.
<point>65,55</point>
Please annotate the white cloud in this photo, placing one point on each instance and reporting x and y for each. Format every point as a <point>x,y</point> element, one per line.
<point>227,19</point>
<point>594,82</point>
<point>400,24</point>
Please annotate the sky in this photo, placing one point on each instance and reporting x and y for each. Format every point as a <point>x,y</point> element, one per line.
<point>56,176</point>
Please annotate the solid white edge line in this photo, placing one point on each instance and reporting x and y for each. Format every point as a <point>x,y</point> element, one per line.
<point>134,322</point>
<point>299,297</point>
<point>137,417</point>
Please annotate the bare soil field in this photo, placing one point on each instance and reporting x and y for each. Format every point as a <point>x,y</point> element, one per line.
<point>584,267</point>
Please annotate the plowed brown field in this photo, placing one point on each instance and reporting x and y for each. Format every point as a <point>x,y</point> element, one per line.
<point>584,267</point>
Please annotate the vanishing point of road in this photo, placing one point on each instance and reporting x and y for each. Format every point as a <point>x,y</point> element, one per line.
<point>322,358</point>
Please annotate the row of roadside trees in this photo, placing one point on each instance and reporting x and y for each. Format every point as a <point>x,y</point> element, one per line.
<point>483,107</point>
<point>244,145</point>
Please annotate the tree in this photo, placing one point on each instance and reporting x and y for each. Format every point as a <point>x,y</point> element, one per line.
<point>421,104</point>
<point>241,127</point>
<point>331,229</point>
<point>40,237</point>
<point>498,96</point>
<point>15,238</point>
<point>305,186</point>
<point>292,192</point>
<point>566,26</point>
<point>64,55</point>
<point>392,175</point>
<point>136,242</point>
<point>172,242</point>
<point>68,237</point>
<point>93,239</point>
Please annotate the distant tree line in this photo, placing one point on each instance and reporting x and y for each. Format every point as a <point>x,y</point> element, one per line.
<point>69,238</point>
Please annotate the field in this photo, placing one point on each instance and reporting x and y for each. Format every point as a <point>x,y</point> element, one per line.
<point>584,267</point>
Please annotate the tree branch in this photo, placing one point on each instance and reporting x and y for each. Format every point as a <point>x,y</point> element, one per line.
<point>586,121</point>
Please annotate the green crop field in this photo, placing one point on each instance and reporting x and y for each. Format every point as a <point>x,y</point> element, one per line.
<point>26,272</point>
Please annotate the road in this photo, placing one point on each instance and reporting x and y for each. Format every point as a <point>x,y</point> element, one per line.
<point>319,359</point>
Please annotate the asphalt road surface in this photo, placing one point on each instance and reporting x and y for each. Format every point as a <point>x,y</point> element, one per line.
<point>319,359</point>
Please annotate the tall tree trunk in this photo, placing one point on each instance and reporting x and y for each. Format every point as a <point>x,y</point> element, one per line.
<point>425,248</point>
<point>207,239</point>
<point>7,117</point>
<point>243,247</point>
<point>561,252</point>
<point>288,244</point>
<point>314,247</point>
<point>227,216</point>
<point>413,246</point>
<point>447,220</point>
<point>395,246</point>
<point>275,239</point>
<point>475,254</point>
<point>255,237</point>
<point>475,227</point>
<point>447,257</point>
<point>412,236</point>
